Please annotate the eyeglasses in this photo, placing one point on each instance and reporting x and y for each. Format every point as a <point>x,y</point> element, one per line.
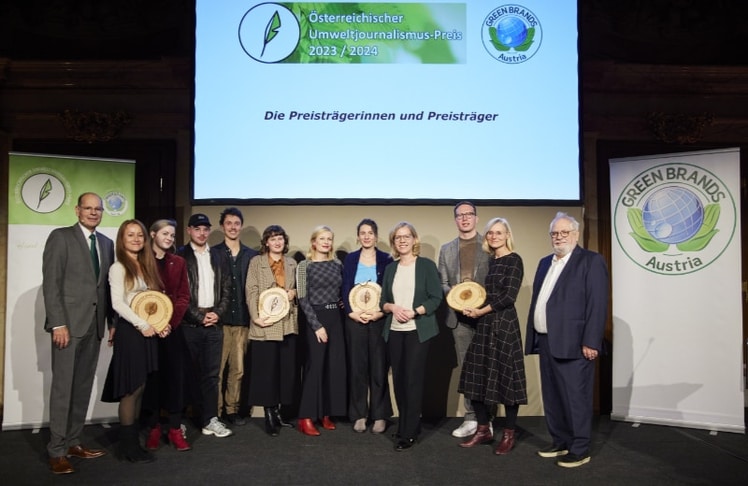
<point>402,237</point>
<point>464,215</point>
<point>561,234</point>
<point>92,209</point>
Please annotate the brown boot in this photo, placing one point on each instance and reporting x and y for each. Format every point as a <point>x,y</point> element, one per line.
<point>482,436</point>
<point>506,444</point>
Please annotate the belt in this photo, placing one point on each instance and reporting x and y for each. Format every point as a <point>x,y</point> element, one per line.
<point>205,310</point>
<point>330,306</point>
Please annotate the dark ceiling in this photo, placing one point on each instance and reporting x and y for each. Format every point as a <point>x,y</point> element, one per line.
<point>690,32</point>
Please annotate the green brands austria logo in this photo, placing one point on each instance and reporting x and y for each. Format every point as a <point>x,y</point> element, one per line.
<point>674,218</point>
<point>511,34</point>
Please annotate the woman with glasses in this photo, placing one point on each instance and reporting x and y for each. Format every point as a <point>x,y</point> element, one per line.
<point>411,293</point>
<point>318,282</point>
<point>166,388</point>
<point>273,373</point>
<point>494,368</point>
<point>369,391</point>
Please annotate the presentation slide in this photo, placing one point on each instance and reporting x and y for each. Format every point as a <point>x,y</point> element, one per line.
<point>377,102</point>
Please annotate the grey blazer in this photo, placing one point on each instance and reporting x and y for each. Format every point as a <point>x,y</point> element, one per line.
<point>72,295</point>
<point>449,271</point>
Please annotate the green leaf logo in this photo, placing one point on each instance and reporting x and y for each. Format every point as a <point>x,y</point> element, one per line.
<point>271,30</point>
<point>640,234</point>
<point>44,192</point>
<point>503,47</point>
<point>528,41</point>
<point>495,40</point>
<point>701,239</point>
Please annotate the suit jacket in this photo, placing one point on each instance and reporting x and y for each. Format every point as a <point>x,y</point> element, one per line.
<point>577,308</point>
<point>261,278</point>
<point>449,271</point>
<point>73,296</point>
<point>428,293</point>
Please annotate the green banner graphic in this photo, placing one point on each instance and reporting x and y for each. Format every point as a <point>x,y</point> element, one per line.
<point>44,189</point>
<point>355,33</point>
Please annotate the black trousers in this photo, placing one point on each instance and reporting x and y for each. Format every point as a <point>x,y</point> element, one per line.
<point>323,390</point>
<point>273,372</point>
<point>408,357</point>
<point>368,388</point>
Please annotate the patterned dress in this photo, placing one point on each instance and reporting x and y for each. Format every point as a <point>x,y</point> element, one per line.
<point>494,368</point>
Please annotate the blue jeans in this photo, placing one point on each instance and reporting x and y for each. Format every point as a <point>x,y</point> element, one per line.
<point>206,345</point>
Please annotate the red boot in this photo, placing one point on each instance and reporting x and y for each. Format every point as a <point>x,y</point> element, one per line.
<point>306,426</point>
<point>506,444</point>
<point>178,440</point>
<point>327,424</point>
<point>154,438</point>
<point>482,436</point>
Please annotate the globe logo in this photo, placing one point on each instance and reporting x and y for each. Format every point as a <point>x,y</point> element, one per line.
<point>116,203</point>
<point>672,215</point>
<point>511,31</point>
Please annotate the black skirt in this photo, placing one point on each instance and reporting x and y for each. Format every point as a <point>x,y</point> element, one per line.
<point>134,357</point>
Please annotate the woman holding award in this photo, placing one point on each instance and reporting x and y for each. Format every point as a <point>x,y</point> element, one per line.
<point>368,387</point>
<point>166,389</point>
<point>271,298</point>
<point>494,368</point>
<point>135,353</point>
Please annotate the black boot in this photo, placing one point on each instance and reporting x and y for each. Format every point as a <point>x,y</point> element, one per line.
<point>271,425</point>
<point>129,445</point>
<point>279,418</point>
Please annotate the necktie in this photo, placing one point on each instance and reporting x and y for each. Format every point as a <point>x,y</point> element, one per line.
<point>94,255</point>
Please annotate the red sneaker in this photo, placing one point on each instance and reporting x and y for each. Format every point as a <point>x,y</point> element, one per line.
<point>178,440</point>
<point>154,438</point>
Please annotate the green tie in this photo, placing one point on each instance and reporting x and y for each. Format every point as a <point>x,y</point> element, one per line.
<point>94,255</point>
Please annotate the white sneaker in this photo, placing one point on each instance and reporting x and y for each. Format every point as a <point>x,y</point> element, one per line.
<point>467,429</point>
<point>216,427</point>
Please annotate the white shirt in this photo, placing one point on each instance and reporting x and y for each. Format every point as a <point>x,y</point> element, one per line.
<point>205,277</point>
<point>540,318</point>
<point>403,292</point>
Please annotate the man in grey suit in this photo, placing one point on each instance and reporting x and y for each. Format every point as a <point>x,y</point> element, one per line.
<point>75,269</point>
<point>461,260</point>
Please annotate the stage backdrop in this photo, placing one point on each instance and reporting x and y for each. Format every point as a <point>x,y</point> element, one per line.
<point>677,322</point>
<point>43,192</point>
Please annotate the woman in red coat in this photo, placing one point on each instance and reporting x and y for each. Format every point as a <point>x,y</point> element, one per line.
<point>167,389</point>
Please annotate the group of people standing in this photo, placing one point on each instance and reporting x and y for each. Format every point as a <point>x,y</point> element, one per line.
<point>198,358</point>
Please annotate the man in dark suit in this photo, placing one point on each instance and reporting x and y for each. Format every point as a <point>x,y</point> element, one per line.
<point>75,270</point>
<point>565,327</point>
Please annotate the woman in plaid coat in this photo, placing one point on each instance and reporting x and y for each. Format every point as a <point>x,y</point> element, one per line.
<point>494,368</point>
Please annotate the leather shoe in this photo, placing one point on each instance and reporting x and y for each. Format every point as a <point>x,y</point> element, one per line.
<point>83,453</point>
<point>404,444</point>
<point>279,419</point>
<point>60,465</point>
<point>306,427</point>
<point>327,424</point>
